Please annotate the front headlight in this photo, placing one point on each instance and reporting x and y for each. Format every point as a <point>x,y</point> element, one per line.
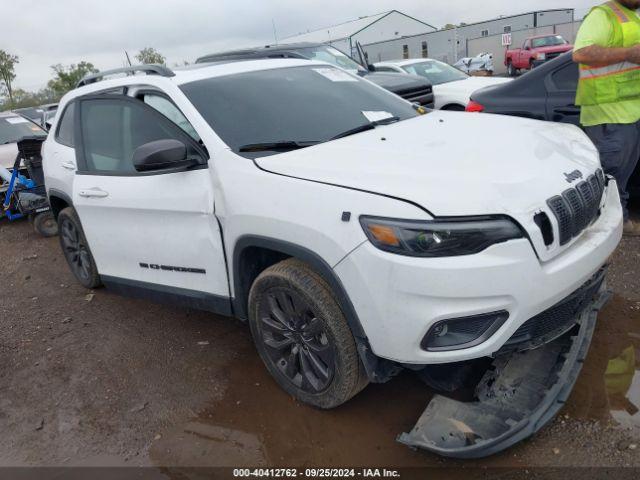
<point>541,56</point>
<point>439,238</point>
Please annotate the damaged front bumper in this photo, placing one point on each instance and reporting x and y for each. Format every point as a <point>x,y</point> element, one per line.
<point>517,396</point>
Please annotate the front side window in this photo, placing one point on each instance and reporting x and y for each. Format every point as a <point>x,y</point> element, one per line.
<point>566,78</point>
<point>436,72</point>
<point>65,133</point>
<point>333,56</point>
<point>308,105</point>
<point>167,108</point>
<point>112,129</point>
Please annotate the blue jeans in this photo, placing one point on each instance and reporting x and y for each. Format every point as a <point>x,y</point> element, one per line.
<point>619,147</point>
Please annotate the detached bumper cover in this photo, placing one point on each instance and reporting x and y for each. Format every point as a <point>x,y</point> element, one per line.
<point>516,398</point>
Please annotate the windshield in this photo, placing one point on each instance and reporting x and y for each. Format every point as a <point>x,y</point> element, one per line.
<point>13,128</point>
<point>436,72</point>
<point>548,41</point>
<point>331,55</point>
<point>307,105</point>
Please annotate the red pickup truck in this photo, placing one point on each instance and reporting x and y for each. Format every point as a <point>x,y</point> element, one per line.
<point>534,51</point>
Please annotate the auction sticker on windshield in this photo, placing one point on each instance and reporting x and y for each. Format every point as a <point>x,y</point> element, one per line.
<point>335,75</point>
<point>16,120</point>
<point>376,116</point>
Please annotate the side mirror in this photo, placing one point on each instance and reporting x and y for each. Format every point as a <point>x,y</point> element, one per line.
<point>162,155</point>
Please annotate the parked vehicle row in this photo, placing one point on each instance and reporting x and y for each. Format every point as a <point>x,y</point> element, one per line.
<point>413,89</point>
<point>42,115</point>
<point>356,233</point>
<point>451,87</point>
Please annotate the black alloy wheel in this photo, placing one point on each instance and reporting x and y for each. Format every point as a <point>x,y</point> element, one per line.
<point>303,337</point>
<point>296,340</point>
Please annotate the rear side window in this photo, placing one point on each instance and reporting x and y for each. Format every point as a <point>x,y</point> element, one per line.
<point>65,134</point>
<point>112,129</point>
<point>566,78</point>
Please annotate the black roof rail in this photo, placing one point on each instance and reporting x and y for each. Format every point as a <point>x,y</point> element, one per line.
<point>148,69</point>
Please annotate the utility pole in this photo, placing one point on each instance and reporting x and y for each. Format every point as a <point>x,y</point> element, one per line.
<point>275,32</point>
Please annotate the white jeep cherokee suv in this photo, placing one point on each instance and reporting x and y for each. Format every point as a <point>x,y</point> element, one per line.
<point>355,232</point>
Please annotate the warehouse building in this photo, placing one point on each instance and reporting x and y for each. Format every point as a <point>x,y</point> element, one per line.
<point>366,30</point>
<point>454,43</point>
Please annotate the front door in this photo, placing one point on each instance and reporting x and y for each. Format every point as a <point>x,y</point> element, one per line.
<point>153,231</point>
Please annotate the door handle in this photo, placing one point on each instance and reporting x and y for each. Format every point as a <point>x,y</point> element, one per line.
<point>568,110</point>
<point>69,165</point>
<point>93,193</point>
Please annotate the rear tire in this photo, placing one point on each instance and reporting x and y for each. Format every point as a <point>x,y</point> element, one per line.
<point>45,224</point>
<point>302,336</point>
<point>76,249</point>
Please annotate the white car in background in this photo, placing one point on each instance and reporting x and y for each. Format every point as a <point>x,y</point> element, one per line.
<point>452,88</point>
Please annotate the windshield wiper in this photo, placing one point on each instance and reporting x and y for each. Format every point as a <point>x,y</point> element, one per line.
<point>284,146</point>
<point>366,126</point>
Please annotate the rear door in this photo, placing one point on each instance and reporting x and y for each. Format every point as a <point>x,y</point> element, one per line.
<point>153,231</point>
<point>561,85</point>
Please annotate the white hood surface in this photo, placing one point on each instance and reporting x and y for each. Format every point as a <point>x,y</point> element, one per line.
<point>451,163</point>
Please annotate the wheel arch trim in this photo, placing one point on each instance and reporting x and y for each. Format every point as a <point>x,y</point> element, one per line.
<point>55,193</point>
<point>241,292</point>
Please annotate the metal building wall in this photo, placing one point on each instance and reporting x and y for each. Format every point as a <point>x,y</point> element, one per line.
<point>451,45</point>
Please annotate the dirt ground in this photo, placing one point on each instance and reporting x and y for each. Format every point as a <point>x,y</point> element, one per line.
<point>95,379</point>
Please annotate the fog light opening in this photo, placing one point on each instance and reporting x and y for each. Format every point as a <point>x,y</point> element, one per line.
<point>463,332</point>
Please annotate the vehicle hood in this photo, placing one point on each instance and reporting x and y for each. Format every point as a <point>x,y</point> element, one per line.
<point>469,85</point>
<point>397,82</point>
<point>554,49</point>
<point>451,163</point>
<point>8,155</point>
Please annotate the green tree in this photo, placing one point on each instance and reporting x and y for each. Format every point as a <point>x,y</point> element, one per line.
<point>150,55</point>
<point>67,77</point>
<point>7,73</point>
<point>22,99</point>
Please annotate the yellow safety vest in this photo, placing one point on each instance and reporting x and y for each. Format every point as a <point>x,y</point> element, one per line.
<point>615,82</point>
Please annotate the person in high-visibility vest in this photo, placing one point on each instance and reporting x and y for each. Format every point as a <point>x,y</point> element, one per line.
<point>608,50</point>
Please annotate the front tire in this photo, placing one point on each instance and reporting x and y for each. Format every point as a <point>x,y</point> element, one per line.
<point>302,336</point>
<point>76,249</point>
<point>511,71</point>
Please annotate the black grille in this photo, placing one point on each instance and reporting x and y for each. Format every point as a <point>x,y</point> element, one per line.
<point>551,56</point>
<point>578,207</point>
<point>557,320</point>
<point>421,95</point>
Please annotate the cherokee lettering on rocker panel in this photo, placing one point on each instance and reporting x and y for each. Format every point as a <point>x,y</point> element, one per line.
<point>168,268</point>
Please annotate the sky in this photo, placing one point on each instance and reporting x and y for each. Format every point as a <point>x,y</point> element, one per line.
<point>47,32</point>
